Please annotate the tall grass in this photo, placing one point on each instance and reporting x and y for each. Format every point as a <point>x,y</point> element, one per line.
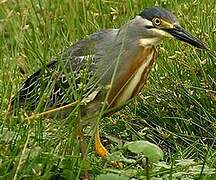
<point>176,109</point>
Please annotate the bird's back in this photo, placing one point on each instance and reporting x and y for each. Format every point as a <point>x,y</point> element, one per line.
<point>68,77</point>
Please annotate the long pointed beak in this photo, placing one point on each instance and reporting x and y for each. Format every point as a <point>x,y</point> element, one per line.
<point>180,34</point>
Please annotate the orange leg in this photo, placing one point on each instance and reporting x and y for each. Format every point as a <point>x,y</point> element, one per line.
<point>99,148</point>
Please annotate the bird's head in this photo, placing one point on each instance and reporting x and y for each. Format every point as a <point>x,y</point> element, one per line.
<point>157,23</point>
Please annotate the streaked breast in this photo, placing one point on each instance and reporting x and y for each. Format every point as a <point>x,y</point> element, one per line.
<point>135,77</point>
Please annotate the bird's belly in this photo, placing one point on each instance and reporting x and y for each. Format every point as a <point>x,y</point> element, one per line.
<point>136,81</point>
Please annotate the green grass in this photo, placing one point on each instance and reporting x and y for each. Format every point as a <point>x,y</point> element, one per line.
<point>176,110</point>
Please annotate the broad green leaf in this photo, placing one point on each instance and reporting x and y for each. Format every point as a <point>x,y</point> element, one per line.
<point>118,156</point>
<point>123,172</point>
<point>149,150</point>
<point>111,176</point>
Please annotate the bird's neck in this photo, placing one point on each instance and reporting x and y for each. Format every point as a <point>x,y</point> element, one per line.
<point>134,32</point>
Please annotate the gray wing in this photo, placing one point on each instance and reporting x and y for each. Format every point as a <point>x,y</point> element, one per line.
<point>67,76</point>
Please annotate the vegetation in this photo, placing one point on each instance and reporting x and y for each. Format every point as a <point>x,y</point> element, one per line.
<point>176,110</point>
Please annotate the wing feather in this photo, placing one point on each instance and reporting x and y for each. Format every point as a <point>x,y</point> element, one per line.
<point>62,79</point>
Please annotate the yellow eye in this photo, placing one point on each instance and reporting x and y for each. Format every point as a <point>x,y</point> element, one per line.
<point>156,21</point>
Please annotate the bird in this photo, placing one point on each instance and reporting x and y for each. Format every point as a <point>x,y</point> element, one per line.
<point>105,70</point>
